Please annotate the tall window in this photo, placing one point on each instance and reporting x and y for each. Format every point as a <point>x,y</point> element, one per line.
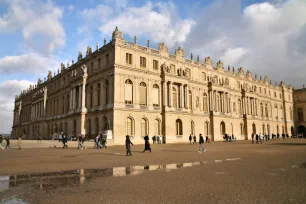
<point>192,128</point>
<point>172,68</point>
<point>234,107</point>
<point>91,96</point>
<point>143,94</point>
<point>155,64</point>
<point>143,62</point>
<point>205,106</point>
<point>107,58</point>
<point>222,128</point>
<point>129,126</point>
<point>190,100</point>
<point>99,94</point>
<point>155,95</point>
<point>174,97</point>
<point>280,95</point>
<point>300,114</point>
<point>241,129</point>
<point>261,110</point>
<point>128,92</point>
<point>218,103</point>
<point>144,127</point>
<point>188,73</point>
<point>156,127</point>
<point>206,128</point>
<point>239,107</point>
<point>99,63</point>
<point>291,114</point>
<point>203,76</point>
<point>259,89</point>
<point>266,110</point>
<point>179,127</point>
<point>238,85</point>
<point>265,91</point>
<point>128,58</point>
<point>106,92</point>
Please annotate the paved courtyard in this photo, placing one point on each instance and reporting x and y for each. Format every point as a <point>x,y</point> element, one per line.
<point>237,172</point>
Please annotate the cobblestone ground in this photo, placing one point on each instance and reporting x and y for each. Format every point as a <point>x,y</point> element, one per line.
<point>237,172</point>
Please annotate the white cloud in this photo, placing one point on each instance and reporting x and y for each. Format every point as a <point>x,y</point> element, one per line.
<point>99,13</point>
<point>70,8</point>
<point>8,90</point>
<point>28,63</point>
<point>156,21</point>
<point>39,22</point>
<point>266,38</point>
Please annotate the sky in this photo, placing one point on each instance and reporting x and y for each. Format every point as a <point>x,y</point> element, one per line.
<point>265,37</point>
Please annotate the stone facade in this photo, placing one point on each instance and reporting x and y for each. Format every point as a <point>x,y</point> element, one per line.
<point>140,91</point>
<point>299,98</point>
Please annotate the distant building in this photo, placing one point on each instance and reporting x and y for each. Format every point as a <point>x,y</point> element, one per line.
<point>299,98</point>
<point>137,90</point>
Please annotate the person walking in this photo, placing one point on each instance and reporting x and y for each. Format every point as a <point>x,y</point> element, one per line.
<point>8,143</point>
<point>252,138</point>
<point>104,142</point>
<point>147,144</point>
<point>201,141</point>
<point>128,144</point>
<point>158,140</point>
<point>190,139</point>
<point>260,138</point>
<point>161,139</point>
<point>98,141</point>
<point>80,142</point>
<point>194,139</point>
<point>19,142</point>
<point>83,140</point>
<point>39,138</point>
<point>154,139</point>
<point>206,139</point>
<point>1,139</point>
<point>257,138</point>
<point>65,141</point>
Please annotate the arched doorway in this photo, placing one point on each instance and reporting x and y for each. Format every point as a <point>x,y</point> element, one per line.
<point>254,128</point>
<point>222,128</point>
<point>301,129</point>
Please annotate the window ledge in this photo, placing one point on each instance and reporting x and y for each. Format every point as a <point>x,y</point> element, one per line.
<point>143,107</point>
<point>129,105</point>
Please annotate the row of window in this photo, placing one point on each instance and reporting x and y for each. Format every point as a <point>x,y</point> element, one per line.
<point>144,127</point>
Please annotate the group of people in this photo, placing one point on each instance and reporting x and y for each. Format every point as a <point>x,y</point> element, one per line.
<point>8,143</point>
<point>229,138</point>
<point>157,139</point>
<point>100,142</point>
<point>260,138</point>
<point>207,139</point>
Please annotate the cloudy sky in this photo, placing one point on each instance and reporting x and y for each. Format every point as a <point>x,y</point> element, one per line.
<point>266,37</point>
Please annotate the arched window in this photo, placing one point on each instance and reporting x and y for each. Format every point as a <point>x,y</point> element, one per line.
<point>188,73</point>
<point>128,92</point>
<point>206,129</point>
<point>144,127</point>
<point>205,104</point>
<point>143,94</point>
<point>174,97</point>
<point>99,94</point>
<point>268,129</point>
<point>291,114</point>
<point>263,129</point>
<point>97,125</point>
<point>254,128</point>
<point>266,110</point>
<point>190,99</point>
<point>241,129</point>
<point>222,128</point>
<point>300,114</point>
<point>192,128</point>
<point>155,95</point>
<point>261,110</point>
<point>277,129</point>
<point>156,127</point>
<point>239,107</point>
<point>129,126</point>
<point>179,127</point>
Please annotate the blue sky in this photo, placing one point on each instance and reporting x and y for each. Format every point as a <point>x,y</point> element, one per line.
<point>266,37</point>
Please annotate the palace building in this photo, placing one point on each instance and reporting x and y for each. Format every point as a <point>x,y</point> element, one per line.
<point>299,98</point>
<point>136,90</point>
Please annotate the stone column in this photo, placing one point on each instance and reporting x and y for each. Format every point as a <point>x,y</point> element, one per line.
<point>165,93</point>
<point>210,100</point>
<point>170,95</point>
<point>187,97</point>
<point>243,105</point>
<point>181,96</point>
<point>80,97</point>
<point>136,91</point>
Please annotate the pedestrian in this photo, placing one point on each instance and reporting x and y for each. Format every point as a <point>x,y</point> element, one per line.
<point>257,138</point>
<point>190,138</point>
<point>194,140</point>
<point>161,139</point>
<point>206,138</point>
<point>1,139</point>
<point>104,142</point>
<point>8,143</point>
<point>39,138</point>
<point>19,142</point>
<point>128,144</point>
<point>154,139</point>
<point>83,140</point>
<point>65,141</point>
<point>260,138</point>
<point>80,142</point>
<point>201,141</point>
<point>98,141</point>
<point>158,140</point>
<point>147,144</point>
<point>252,138</point>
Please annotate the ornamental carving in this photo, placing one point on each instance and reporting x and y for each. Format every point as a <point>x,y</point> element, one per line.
<point>240,71</point>
<point>165,68</point>
<point>215,79</point>
<point>162,47</point>
<point>249,74</point>
<point>219,65</point>
<point>207,61</point>
<point>84,68</point>
<point>197,102</point>
<point>226,83</point>
<point>89,50</point>
<point>116,34</point>
<point>80,56</point>
<point>179,52</point>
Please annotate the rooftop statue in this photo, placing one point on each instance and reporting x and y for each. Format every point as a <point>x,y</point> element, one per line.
<point>97,46</point>
<point>80,56</point>
<point>162,47</point>
<point>89,50</point>
<point>116,34</point>
<point>240,71</point>
<point>219,64</point>
<point>207,61</point>
<point>179,52</point>
<point>49,75</point>
<point>84,68</point>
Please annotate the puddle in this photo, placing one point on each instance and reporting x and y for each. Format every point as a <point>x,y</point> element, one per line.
<point>220,173</point>
<point>13,201</point>
<point>53,180</point>
<point>232,159</point>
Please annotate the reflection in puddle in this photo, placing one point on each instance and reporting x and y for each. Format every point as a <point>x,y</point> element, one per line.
<point>233,159</point>
<point>220,173</point>
<point>53,180</point>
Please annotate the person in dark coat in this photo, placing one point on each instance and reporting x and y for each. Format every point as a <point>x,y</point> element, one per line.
<point>1,139</point>
<point>65,140</point>
<point>190,138</point>
<point>206,138</point>
<point>194,140</point>
<point>147,144</point>
<point>8,143</point>
<point>128,144</point>
<point>201,141</point>
<point>257,137</point>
